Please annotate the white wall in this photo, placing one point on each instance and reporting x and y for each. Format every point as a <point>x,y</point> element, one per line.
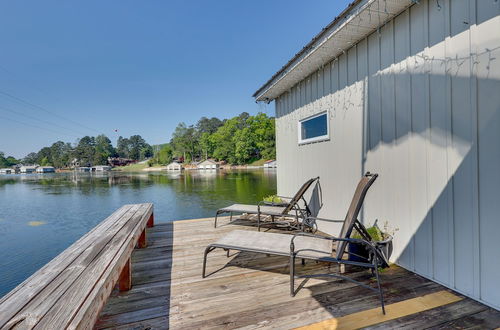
<point>419,103</point>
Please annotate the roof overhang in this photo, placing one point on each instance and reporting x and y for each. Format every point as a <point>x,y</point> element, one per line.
<point>358,20</point>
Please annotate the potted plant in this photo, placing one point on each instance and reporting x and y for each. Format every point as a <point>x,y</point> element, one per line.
<point>383,240</point>
<point>274,200</point>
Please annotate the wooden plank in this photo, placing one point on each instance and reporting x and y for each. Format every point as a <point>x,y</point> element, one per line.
<point>434,317</point>
<point>393,311</point>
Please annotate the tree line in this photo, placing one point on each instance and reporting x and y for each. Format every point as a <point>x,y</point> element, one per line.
<point>238,140</point>
<point>90,151</point>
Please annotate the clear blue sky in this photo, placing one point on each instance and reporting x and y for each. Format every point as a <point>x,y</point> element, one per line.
<point>140,66</point>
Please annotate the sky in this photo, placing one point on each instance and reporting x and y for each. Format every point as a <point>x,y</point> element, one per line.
<point>124,67</point>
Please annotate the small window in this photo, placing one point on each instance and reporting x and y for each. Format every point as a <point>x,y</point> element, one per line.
<point>314,128</point>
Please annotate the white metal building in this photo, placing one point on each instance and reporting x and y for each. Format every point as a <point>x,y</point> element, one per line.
<point>45,169</point>
<point>208,165</point>
<point>270,164</point>
<point>409,90</point>
<point>101,168</point>
<point>174,166</point>
<point>28,169</point>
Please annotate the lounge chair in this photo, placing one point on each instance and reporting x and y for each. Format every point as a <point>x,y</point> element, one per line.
<point>314,247</point>
<point>291,208</point>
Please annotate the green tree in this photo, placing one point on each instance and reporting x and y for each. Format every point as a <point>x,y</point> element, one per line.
<point>103,149</point>
<point>138,148</point>
<point>224,142</point>
<point>61,154</point>
<point>206,145</point>
<point>30,158</point>
<point>44,154</point>
<point>123,147</point>
<point>185,142</point>
<point>7,161</point>
<point>210,126</point>
<point>165,155</point>
<point>44,161</point>
<point>85,151</point>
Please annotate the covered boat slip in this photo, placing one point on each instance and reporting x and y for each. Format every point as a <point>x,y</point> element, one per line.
<point>248,290</point>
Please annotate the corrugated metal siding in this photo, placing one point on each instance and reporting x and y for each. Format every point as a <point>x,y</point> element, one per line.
<point>418,102</point>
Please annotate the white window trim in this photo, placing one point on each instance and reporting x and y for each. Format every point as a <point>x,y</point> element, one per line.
<point>325,137</point>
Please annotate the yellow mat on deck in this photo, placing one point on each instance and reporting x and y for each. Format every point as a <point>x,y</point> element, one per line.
<point>393,311</point>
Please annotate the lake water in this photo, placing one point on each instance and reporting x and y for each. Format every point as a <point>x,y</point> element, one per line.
<point>41,215</point>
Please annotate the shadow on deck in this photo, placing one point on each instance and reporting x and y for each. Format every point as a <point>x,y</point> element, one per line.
<point>250,290</point>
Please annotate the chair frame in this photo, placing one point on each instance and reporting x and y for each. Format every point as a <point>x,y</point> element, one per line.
<point>291,206</point>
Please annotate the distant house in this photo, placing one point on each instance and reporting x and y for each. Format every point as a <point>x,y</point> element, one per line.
<point>45,169</point>
<point>174,166</point>
<point>27,169</point>
<point>101,168</point>
<point>270,164</point>
<point>82,169</point>
<point>208,165</point>
<point>6,171</point>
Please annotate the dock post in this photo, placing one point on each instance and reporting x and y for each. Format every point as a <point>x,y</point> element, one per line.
<point>125,279</point>
<point>151,221</point>
<point>142,243</point>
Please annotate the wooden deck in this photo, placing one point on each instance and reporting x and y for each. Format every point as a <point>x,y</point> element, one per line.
<point>252,291</point>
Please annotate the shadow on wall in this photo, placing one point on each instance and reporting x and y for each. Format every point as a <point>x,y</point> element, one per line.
<point>431,129</point>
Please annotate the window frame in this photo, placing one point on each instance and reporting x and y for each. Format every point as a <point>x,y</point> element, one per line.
<point>320,138</point>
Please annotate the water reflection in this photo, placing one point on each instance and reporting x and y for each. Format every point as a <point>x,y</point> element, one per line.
<point>70,204</point>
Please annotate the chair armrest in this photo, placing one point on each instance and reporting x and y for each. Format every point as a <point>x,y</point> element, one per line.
<point>323,219</point>
<point>284,197</point>
<point>368,244</point>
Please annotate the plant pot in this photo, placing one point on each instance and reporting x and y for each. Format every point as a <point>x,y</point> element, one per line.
<point>362,253</point>
<point>357,252</point>
<point>386,246</point>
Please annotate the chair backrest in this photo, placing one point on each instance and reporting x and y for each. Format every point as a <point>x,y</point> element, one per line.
<point>352,214</point>
<point>316,201</point>
<point>300,193</point>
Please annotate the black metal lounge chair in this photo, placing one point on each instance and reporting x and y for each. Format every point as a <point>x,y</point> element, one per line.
<point>290,208</point>
<point>314,247</point>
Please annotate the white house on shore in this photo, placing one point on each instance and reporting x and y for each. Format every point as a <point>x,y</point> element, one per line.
<point>27,169</point>
<point>6,171</point>
<point>409,90</point>
<point>45,169</point>
<point>208,165</point>
<point>270,164</point>
<point>101,168</point>
<point>174,166</point>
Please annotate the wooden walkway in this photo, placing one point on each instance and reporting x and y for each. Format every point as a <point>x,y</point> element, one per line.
<point>252,291</point>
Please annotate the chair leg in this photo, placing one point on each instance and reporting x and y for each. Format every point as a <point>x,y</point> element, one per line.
<point>381,294</point>
<point>215,222</point>
<point>292,275</point>
<point>258,221</point>
<point>207,251</point>
<point>231,217</point>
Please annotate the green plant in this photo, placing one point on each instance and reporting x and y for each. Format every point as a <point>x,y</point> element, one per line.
<point>375,233</point>
<point>273,199</point>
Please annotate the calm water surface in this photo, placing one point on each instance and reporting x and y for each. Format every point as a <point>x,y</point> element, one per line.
<point>41,215</point>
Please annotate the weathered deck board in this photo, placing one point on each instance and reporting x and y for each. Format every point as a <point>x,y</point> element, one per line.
<point>252,290</point>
